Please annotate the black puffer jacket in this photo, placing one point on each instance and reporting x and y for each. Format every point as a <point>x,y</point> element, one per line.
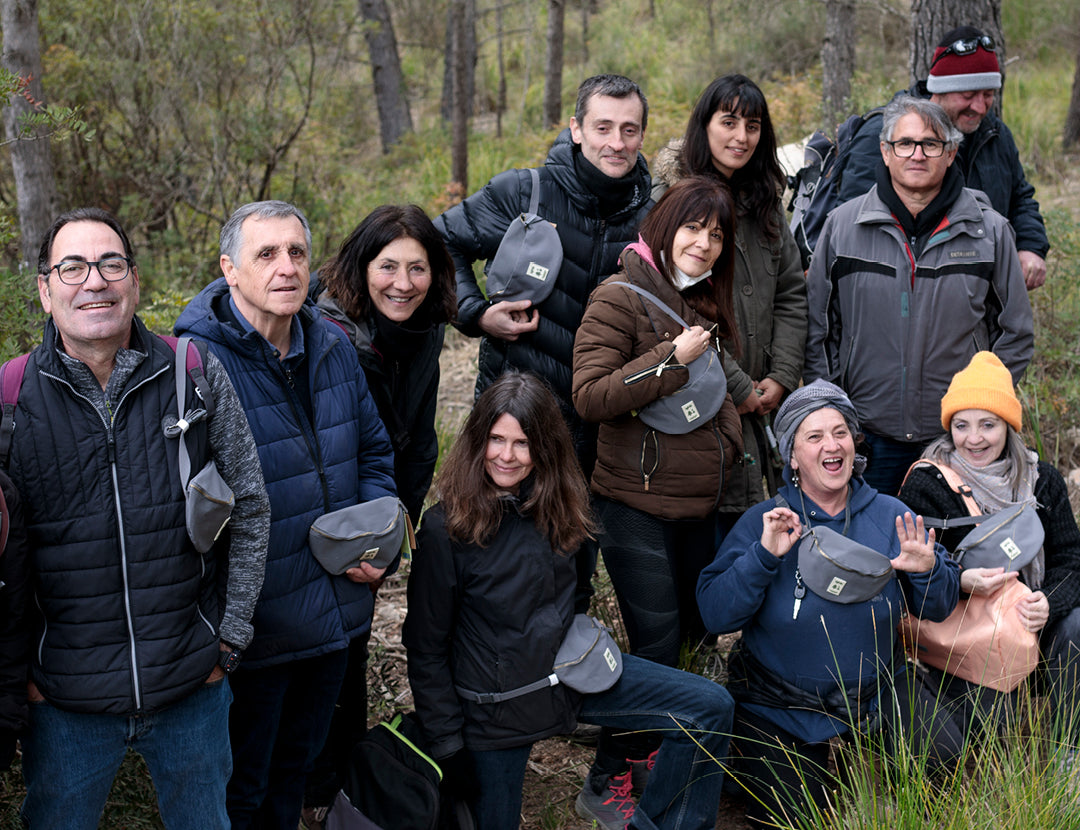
<point>488,619</point>
<point>591,247</point>
<point>14,621</point>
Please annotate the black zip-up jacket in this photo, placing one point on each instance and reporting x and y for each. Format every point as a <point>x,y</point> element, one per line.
<point>488,619</point>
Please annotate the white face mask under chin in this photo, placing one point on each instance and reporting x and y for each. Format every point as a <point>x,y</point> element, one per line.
<point>681,279</point>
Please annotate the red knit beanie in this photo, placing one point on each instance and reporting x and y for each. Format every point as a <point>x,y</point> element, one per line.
<point>963,73</point>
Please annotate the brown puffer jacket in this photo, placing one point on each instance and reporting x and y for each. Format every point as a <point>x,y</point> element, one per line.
<point>622,342</point>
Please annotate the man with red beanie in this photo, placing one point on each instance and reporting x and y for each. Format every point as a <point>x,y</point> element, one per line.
<point>964,77</point>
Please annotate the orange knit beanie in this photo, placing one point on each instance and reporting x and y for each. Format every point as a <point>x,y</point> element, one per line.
<point>984,383</point>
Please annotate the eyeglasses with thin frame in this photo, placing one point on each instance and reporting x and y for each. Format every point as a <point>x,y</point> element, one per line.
<point>905,147</point>
<point>76,271</point>
<point>967,46</point>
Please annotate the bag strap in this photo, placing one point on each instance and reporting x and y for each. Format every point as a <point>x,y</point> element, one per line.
<point>534,197</point>
<point>648,295</point>
<point>5,521</point>
<point>188,363</point>
<point>11,378</point>
<point>499,697</point>
<point>952,478</point>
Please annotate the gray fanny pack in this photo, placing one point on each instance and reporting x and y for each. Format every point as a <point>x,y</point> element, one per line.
<point>699,400</point>
<point>1009,539</point>
<point>209,501</point>
<point>841,570</point>
<point>375,532</point>
<point>588,661</point>
<point>529,257</point>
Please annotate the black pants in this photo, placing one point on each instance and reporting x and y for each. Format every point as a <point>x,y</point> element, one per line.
<point>654,566</point>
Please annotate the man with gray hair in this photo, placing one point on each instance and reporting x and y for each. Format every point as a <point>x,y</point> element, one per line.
<point>908,281</point>
<point>322,448</point>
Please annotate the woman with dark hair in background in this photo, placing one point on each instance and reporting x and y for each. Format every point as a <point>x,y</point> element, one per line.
<point>491,596</point>
<point>730,137</point>
<point>656,494</point>
<point>391,288</point>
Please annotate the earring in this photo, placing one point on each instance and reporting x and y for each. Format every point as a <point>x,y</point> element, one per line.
<point>795,476</point>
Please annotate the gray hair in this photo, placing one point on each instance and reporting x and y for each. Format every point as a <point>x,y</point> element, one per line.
<point>229,244</point>
<point>932,115</point>
<point>614,86</point>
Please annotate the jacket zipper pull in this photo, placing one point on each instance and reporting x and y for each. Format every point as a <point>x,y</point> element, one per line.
<point>647,484</point>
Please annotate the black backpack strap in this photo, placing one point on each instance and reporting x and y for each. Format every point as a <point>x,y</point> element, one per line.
<point>11,378</point>
<point>5,521</point>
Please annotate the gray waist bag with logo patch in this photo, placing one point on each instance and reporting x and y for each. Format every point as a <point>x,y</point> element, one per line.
<point>694,404</point>
<point>588,661</point>
<point>374,532</point>
<point>841,570</point>
<point>529,257</point>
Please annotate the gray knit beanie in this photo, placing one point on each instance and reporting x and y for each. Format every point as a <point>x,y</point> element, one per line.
<point>804,400</point>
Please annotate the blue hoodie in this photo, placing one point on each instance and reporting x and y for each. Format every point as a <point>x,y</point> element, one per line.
<point>748,588</point>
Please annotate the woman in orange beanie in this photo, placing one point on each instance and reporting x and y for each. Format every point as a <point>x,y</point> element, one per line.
<point>983,454</point>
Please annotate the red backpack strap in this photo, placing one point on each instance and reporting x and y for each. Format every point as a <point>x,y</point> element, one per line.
<point>11,378</point>
<point>952,478</point>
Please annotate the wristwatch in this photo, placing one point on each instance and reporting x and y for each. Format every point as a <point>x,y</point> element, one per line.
<point>228,660</point>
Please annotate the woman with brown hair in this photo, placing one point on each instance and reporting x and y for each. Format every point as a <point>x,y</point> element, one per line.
<point>490,600</point>
<point>657,493</point>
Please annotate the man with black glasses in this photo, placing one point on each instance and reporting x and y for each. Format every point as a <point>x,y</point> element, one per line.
<point>907,282</point>
<point>135,628</point>
<point>964,77</point>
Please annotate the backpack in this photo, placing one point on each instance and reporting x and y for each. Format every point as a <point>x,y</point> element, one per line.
<point>817,185</point>
<point>209,500</point>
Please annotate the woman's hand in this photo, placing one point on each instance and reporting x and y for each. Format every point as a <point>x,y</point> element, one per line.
<point>691,344</point>
<point>916,546</point>
<point>985,581</point>
<point>780,531</point>
<point>1034,611</point>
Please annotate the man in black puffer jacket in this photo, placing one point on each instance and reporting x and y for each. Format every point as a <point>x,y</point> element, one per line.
<point>594,187</point>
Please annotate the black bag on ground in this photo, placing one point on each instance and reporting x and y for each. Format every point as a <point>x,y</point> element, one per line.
<point>391,781</point>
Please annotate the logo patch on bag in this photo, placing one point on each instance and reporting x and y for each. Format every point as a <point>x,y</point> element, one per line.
<point>613,664</point>
<point>690,411</point>
<point>836,586</point>
<point>1011,549</point>
<point>537,271</point>
<point>370,553</point>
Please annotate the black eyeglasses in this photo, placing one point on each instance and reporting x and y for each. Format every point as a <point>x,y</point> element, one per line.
<point>75,271</point>
<point>967,46</point>
<point>905,147</point>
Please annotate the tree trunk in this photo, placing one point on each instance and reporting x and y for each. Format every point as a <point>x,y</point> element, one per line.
<point>931,19</point>
<point>585,32</point>
<point>1072,118</point>
<point>31,155</point>
<point>500,96</point>
<point>459,165</point>
<point>386,74</point>
<point>838,60</point>
<point>554,65</point>
<point>465,13</point>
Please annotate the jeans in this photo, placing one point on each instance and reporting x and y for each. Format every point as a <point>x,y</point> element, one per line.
<point>693,717</point>
<point>501,773</point>
<point>889,461</point>
<point>278,725</point>
<point>70,760</point>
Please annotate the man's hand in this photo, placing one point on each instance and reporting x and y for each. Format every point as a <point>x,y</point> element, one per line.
<point>1033,267</point>
<point>509,320</point>
<point>365,573</point>
<point>771,391</point>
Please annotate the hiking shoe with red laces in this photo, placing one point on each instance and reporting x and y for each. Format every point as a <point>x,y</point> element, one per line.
<point>639,771</point>
<point>612,807</point>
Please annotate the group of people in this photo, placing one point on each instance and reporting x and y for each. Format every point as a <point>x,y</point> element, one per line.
<point>239,672</point>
